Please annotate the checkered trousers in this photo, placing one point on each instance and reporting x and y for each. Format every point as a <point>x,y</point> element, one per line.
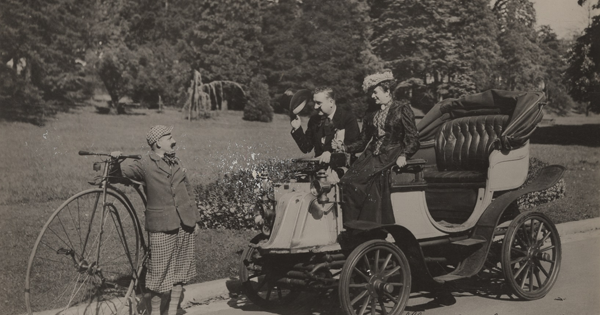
<point>171,259</point>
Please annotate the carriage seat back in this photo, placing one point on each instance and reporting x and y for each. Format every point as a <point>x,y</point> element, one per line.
<point>462,148</point>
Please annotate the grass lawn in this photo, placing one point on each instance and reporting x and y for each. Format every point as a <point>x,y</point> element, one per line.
<point>41,169</point>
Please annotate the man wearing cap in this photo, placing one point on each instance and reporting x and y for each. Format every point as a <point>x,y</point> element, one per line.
<point>327,132</point>
<point>171,217</point>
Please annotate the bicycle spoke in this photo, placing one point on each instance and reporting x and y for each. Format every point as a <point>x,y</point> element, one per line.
<point>75,226</point>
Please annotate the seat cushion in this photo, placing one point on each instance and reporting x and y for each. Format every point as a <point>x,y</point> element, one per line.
<point>455,177</point>
<point>464,144</point>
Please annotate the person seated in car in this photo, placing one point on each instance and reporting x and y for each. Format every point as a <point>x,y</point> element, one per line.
<point>332,126</point>
<point>389,137</point>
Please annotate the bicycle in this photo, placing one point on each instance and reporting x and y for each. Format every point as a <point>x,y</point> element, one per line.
<point>89,256</point>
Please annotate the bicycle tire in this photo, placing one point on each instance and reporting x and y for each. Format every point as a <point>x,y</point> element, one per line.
<point>84,262</point>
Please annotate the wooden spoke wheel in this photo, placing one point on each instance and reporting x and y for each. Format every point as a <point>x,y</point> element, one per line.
<point>375,280</point>
<point>531,255</point>
<point>260,283</point>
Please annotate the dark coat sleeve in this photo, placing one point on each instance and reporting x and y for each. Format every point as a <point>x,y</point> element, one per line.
<point>351,126</point>
<point>364,137</point>
<point>405,137</point>
<point>304,139</point>
<point>411,134</point>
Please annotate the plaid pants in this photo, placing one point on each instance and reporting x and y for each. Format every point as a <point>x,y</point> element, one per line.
<point>171,259</point>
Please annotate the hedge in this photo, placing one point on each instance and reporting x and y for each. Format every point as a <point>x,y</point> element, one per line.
<point>231,201</point>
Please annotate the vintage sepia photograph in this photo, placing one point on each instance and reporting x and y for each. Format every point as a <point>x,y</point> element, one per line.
<point>300,157</point>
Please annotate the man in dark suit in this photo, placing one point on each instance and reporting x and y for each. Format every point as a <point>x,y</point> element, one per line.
<point>329,130</point>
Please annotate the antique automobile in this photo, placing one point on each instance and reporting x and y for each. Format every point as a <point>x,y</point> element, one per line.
<point>455,217</point>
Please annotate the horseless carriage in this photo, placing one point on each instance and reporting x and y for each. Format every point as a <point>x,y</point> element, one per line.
<point>454,209</point>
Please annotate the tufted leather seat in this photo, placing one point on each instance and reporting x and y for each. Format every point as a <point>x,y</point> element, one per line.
<point>462,148</point>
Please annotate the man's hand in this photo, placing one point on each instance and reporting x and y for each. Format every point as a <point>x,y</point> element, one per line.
<point>296,123</point>
<point>401,161</point>
<point>337,145</point>
<point>325,157</point>
<point>116,154</point>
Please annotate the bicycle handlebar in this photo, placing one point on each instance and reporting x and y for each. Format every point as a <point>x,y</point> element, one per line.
<point>132,156</point>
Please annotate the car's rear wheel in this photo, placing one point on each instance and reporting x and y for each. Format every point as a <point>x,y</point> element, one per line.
<point>531,255</point>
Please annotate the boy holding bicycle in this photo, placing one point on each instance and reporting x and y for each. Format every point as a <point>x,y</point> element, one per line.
<point>171,217</point>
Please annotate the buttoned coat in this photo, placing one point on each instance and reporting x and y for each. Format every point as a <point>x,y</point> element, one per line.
<point>170,197</point>
<point>312,138</point>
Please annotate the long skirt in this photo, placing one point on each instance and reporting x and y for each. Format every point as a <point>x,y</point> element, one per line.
<point>171,259</point>
<point>365,190</point>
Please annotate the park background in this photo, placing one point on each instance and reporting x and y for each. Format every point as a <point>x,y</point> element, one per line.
<point>96,74</point>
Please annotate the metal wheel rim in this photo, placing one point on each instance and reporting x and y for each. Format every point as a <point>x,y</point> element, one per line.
<point>63,272</point>
<point>375,280</point>
<point>531,255</point>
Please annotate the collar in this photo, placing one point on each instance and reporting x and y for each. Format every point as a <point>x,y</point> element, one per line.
<point>331,116</point>
<point>154,156</point>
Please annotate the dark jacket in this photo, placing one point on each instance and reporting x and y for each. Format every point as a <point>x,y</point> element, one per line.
<point>315,131</point>
<point>401,135</point>
<point>171,201</point>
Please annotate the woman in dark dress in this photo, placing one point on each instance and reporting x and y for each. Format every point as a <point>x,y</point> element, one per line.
<point>389,137</point>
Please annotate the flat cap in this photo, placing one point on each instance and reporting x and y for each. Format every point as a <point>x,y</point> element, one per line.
<point>157,132</point>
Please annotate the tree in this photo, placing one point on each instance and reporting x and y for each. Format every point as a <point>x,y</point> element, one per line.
<point>583,73</point>
<point>117,67</point>
<point>522,68</point>
<point>258,108</point>
<point>448,46</point>
<point>43,42</point>
<point>314,43</point>
<point>555,65</point>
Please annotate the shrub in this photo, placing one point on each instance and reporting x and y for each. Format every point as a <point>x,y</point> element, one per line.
<point>230,201</point>
<point>537,198</point>
<point>258,107</point>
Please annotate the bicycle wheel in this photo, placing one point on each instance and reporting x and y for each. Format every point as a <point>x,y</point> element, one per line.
<point>85,259</point>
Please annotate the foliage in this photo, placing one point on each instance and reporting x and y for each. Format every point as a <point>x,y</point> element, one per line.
<point>449,45</point>
<point>555,65</point>
<point>537,198</point>
<point>230,201</point>
<point>315,43</point>
<point>222,39</point>
<point>521,68</point>
<point>258,107</point>
<point>116,66</point>
<point>20,100</point>
<point>583,73</point>
<point>43,42</point>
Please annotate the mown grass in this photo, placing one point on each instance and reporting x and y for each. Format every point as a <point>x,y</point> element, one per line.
<point>41,169</point>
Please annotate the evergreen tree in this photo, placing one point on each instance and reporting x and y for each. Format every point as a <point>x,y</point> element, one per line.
<point>258,107</point>
<point>43,42</point>
<point>448,47</point>
<point>314,43</point>
<point>583,73</point>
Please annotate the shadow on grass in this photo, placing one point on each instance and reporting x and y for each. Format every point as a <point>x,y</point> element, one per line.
<point>584,135</point>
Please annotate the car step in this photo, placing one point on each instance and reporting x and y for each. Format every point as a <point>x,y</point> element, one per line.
<point>448,277</point>
<point>470,241</point>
